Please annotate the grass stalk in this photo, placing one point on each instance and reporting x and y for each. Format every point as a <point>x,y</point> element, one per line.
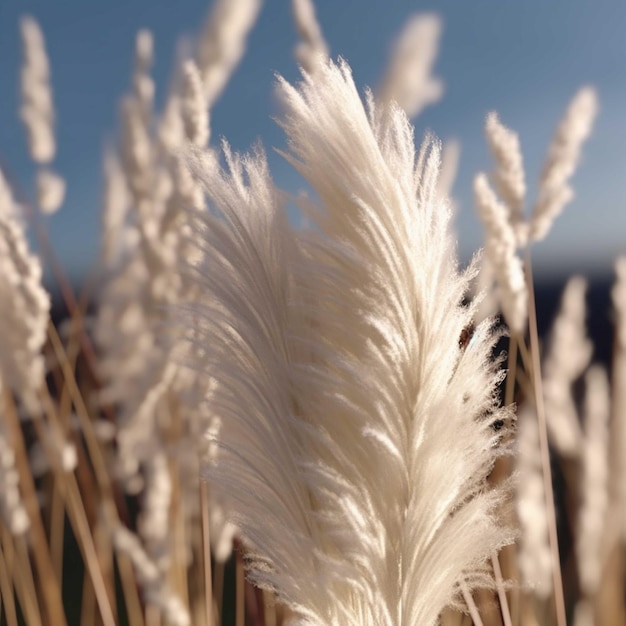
<point>6,591</point>
<point>526,356</point>
<point>504,604</point>
<point>78,518</point>
<point>50,585</point>
<point>129,587</point>
<point>177,513</point>
<point>543,445</point>
<point>26,584</point>
<point>57,530</point>
<point>88,607</point>
<point>471,605</point>
<point>178,541</point>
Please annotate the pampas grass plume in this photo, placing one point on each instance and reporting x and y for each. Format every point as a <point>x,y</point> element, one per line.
<point>340,383</point>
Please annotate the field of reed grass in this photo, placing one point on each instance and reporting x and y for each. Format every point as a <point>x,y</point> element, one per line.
<point>240,421</point>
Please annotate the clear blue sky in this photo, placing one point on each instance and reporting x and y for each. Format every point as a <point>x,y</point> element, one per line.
<point>523,59</point>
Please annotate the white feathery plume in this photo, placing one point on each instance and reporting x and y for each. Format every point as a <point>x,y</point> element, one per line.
<point>568,356</point>
<point>37,110</point>
<point>618,295</point>
<point>356,436</point>
<point>595,476</point>
<point>185,192</point>
<point>153,522</point>
<point>144,53</point>
<point>562,161</point>
<point>123,331</point>
<point>50,191</point>
<point>484,291</point>
<point>137,419</point>
<point>171,131</point>
<point>137,151</point>
<point>245,322</point>
<point>312,49</point>
<point>153,583</point>
<point>223,42</point>
<point>132,362</point>
<point>56,443</point>
<point>534,556</point>
<point>143,278</point>
<point>37,113</point>
<point>143,85</point>
<point>194,106</point>
<point>408,79</point>
<point>509,176</point>
<point>170,125</point>
<point>449,167</point>
<point>500,249</point>
<point>115,205</point>
<point>24,307</point>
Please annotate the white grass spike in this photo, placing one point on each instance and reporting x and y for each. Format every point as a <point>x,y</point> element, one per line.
<point>408,79</point>
<point>500,248</point>
<point>194,106</point>
<point>568,356</point>
<point>37,109</point>
<point>595,476</point>
<point>223,43</point>
<point>562,160</point>
<point>24,306</point>
<point>312,49</point>
<point>509,173</point>
<point>50,191</point>
<point>535,557</point>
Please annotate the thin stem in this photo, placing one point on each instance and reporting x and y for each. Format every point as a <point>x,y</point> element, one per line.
<point>471,605</point>
<point>129,588</point>
<point>526,385</point>
<point>270,608</point>
<point>78,518</point>
<point>543,445</point>
<point>50,586</point>
<point>57,528</point>
<point>93,446</point>
<point>26,582</point>
<point>6,586</point>
<point>504,604</point>
<point>177,519</point>
<point>88,603</point>
<point>178,566</point>
<point>527,360</point>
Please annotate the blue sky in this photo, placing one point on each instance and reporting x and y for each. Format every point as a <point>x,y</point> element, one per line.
<point>523,59</point>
